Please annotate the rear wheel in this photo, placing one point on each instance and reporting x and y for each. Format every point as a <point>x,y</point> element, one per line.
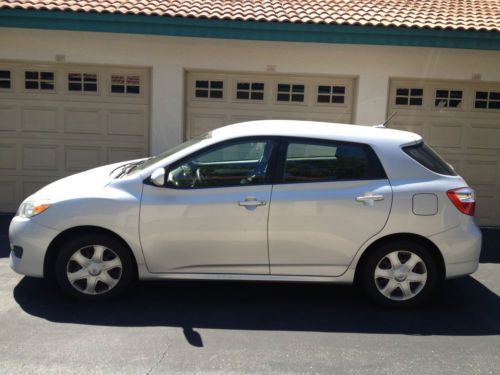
<point>94,267</point>
<point>399,274</point>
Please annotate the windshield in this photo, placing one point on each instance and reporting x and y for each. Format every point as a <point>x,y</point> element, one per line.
<point>171,151</point>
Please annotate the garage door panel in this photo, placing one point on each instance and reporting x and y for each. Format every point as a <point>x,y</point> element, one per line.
<point>487,207</point>
<point>233,119</point>
<point>9,193</point>
<point>38,157</point>
<point>116,154</point>
<point>126,122</point>
<point>446,135</point>
<point>200,123</point>
<point>481,172</point>
<point>79,158</point>
<point>484,136</point>
<point>8,118</point>
<point>410,124</point>
<point>8,156</point>
<point>39,119</point>
<point>344,118</point>
<point>83,120</point>
<point>467,137</point>
<point>48,135</point>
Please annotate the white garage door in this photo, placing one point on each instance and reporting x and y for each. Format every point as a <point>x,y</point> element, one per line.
<point>56,120</point>
<point>215,99</point>
<point>461,120</point>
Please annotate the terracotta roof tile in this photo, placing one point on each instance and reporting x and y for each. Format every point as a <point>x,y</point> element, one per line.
<point>445,14</point>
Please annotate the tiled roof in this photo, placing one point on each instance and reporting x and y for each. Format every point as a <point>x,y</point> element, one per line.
<point>436,14</point>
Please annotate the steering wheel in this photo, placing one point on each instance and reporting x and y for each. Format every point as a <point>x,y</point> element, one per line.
<point>200,178</point>
<point>182,176</point>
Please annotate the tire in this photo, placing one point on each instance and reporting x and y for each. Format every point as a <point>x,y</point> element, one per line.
<point>399,274</point>
<point>94,267</point>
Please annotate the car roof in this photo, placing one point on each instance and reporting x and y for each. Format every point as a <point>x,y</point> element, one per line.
<point>313,129</point>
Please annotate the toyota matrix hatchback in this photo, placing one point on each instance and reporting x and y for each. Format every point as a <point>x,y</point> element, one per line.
<point>265,200</point>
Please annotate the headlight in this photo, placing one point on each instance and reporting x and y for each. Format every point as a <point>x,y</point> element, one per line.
<point>29,209</point>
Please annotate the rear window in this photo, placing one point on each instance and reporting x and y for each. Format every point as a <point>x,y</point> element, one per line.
<point>429,159</point>
<point>313,161</point>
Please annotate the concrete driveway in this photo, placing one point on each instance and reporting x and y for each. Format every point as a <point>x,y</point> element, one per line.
<point>198,327</point>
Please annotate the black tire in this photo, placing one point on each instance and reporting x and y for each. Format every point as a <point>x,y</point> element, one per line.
<point>113,248</point>
<point>377,259</point>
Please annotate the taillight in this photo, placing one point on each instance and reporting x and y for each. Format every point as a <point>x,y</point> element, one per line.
<point>463,199</point>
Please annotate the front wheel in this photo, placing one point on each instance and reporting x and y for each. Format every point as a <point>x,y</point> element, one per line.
<point>399,274</point>
<point>93,267</point>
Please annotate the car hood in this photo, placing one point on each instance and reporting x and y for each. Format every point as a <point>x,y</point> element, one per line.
<point>86,183</point>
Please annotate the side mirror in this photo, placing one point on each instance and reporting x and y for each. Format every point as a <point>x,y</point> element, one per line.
<point>158,177</point>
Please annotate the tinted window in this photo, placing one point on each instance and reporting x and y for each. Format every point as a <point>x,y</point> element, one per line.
<point>235,164</point>
<point>311,161</point>
<point>429,159</point>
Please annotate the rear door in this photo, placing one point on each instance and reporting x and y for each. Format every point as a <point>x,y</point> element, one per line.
<point>329,198</point>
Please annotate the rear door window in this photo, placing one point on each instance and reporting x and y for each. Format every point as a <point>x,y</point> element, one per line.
<point>317,160</point>
<point>427,157</point>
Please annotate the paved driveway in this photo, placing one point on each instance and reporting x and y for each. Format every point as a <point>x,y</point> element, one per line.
<point>194,327</point>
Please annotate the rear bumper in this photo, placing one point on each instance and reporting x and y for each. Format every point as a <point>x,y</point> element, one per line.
<point>33,239</point>
<point>460,247</point>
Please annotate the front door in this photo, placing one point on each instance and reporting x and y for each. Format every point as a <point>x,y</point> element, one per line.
<point>330,199</point>
<point>211,215</point>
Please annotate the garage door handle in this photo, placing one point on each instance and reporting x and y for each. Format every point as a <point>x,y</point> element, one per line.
<point>251,202</point>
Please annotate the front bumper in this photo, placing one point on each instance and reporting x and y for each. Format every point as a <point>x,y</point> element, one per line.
<point>33,239</point>
<point>460,247</point>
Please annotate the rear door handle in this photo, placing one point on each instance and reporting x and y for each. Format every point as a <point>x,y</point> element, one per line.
<point>251,202</point>
<point>368,198</point>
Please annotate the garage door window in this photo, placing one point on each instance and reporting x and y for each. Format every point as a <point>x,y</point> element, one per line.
<point>332,161</point>
<point>39,80</point>
<point>82,82</point>
<point>487,100</point>
<point>125,84</point>
<point>409,96</point>
<point>331,94</point>
<point>5,80</point>
<point>290,93</point>
<point>208,89</point>
<point>248,91</point>
<point>448,98</point>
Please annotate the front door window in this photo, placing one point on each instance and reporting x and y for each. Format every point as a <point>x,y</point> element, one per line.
<point>234,164</point>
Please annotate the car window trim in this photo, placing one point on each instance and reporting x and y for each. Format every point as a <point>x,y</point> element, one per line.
<point>270,168</point>
<point>281,159</point>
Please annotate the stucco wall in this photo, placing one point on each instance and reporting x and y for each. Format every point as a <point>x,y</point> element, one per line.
<point>168,57</point>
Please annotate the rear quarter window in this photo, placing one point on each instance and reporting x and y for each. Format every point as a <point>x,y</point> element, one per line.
<point>427,157</point>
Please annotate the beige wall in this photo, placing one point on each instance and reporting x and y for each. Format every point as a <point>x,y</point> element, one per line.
<point>169,57</point>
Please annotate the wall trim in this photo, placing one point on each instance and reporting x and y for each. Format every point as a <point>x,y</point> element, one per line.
<point>250,30</point>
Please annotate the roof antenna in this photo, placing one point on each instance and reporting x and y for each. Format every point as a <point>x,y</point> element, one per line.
<point>384,125</point>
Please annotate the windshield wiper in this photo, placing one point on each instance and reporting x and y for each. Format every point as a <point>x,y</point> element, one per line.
<point>127,168</point>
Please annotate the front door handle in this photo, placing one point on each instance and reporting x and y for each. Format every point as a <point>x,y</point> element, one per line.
<point>251,202</point>
<point>369,198</point>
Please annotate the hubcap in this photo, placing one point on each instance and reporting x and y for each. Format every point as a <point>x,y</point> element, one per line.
<point>94,269</point>
<point>400,275</point>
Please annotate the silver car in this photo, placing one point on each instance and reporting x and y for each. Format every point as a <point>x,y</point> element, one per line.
<point>265,200</point>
